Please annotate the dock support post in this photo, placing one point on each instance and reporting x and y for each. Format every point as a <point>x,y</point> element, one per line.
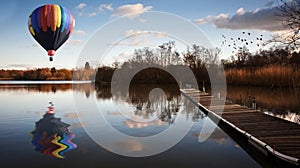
<point>253,103</point>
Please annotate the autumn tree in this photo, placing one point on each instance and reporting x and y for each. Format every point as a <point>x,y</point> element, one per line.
<point>4,74</point>
<point>53,71</point>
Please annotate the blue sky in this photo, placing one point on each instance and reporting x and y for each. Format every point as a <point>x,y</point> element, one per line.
<point>214,17</point>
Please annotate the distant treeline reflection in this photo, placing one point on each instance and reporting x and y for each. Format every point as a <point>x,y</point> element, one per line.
<point>137,92</point>
<point>88,88</point>
<point>148,99</point>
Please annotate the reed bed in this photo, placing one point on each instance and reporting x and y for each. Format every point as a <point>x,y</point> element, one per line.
<point>269,76</point>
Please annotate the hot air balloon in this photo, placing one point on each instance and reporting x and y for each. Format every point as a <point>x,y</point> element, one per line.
<point>51,136</point>
<point>51,25</point>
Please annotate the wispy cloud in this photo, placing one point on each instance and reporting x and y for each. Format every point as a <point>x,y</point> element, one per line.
<point>102,7</point>
<point>136,41</point>
<point>144,32</point>
<point>134,124</point>
<point>92,14</point>
<point>74,42</point>
<point>17,66</point>
<point>261,19</point>
<point>81,6</point>
<point>130,145</point>
<point>72,115</point>
<point>80,32</point>
<point>131,10</point>
<point>140,38</point>
<point>125,54</point>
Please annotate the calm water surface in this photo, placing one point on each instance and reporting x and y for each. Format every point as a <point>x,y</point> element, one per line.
<point>22,106</point>
<point>280,102</point>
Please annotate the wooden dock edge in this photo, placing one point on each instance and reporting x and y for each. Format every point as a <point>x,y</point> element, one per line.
<point>255,142</point>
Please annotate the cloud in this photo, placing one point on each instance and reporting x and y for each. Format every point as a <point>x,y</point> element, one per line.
<point>77,125</point>
<point>140,38</point>
<point>80,32</point>
<point>131,10</point>
<point>240,11</point>
<point>134,124</point>
<point>17,66</point>
<point>92,14</point>
<point>72,115</point>
<point>124,55</point>
<point>260,19</point>
<point>74,42</point>
<point>93,11</point>
<point>81,6</point>
<point>144,32</point>
<point>135,41</point>
<point>130,145</point>
<point>102,7</point>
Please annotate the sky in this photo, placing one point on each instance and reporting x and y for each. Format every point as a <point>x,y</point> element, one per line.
<point>214,18</point>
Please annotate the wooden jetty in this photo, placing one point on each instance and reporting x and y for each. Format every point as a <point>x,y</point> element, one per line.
<point>270,136</point>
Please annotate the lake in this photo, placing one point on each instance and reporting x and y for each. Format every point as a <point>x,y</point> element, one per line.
<point>279,102</point>
<point>32,135</point>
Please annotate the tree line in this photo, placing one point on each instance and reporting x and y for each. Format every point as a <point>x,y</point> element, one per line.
<point>161,59</point>
<point>48,74</point>
<point>275,67</point>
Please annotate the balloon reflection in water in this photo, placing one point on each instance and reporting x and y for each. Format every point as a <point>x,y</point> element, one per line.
<point>51,136</point>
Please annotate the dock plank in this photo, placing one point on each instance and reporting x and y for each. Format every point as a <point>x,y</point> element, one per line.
<point>281,135</point>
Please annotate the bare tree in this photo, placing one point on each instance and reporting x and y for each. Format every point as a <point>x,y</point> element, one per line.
<point>149,55</point>
<point>242,56</point>
<point>213,55</point>
<point>116,64</point>
<point>166,52</point>
<point>176,58</point>
<point>162,50</point>
<point>189,58</point>
<point>289,13</point>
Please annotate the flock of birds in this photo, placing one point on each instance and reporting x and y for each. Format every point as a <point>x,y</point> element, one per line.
<point>239,42</point>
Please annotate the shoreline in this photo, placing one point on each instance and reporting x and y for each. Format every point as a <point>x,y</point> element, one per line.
<point>7,82</point>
